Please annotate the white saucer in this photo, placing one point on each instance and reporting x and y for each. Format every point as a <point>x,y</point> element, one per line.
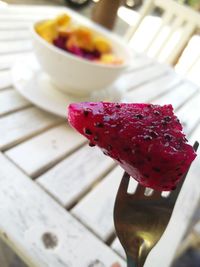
<point>35,85</point>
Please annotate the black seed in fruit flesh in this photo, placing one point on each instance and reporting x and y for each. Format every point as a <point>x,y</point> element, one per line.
<point>91,144</point>
<point>99,125</point>
<point>156,169</point>
<point>87,131</point>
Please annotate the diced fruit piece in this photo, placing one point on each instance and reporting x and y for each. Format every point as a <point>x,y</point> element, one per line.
<point>110,59</point>
<point>146,140</point>
<point>81,38</point>
<point>60,42</point>
<point>47,30</point>
<point>102,45</point>
<point>65,31</point>
<point>62,20</point>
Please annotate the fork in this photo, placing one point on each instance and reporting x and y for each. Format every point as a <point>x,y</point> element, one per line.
<point>141,219</point>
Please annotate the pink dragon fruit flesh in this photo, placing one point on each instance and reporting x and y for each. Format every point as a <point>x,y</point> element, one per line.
<point>145,140</point>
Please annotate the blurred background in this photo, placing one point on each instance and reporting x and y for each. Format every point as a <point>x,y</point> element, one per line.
<point>187,63</point>
<point>127,14</point>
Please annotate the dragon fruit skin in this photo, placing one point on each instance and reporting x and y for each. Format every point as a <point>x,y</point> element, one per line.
<point>145,139</point>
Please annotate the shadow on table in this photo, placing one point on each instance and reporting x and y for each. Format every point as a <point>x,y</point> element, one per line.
<point>8,258</point>
<point>190,258</point>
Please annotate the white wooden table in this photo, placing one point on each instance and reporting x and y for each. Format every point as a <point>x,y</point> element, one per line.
<point>57,193</point>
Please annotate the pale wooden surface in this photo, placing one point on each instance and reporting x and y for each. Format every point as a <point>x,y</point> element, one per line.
<point>56,143</point>
<point>52,182</point>
<point>44,215</point>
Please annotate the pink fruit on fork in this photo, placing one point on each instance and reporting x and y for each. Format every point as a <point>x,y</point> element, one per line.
<point>145,139</point>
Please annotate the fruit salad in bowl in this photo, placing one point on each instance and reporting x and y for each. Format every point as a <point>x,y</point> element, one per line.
<point>78,40</point>
<point>79,58</point>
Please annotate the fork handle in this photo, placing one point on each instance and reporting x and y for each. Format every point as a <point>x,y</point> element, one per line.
<point>130,262</point>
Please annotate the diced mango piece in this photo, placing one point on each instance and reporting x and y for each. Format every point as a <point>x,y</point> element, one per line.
<point>66,31</point>
<point>72,42</point>
<point>63,20</point>
<point>84,38</point>
<point>102,45</point>
<point>110,59</point>
<point>47,30</point>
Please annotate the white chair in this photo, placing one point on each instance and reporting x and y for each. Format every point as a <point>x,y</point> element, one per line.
<point>189,62</point>
<point>163,37</point>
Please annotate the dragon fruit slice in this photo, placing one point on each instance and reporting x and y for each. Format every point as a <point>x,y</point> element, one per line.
<point>145,139</point>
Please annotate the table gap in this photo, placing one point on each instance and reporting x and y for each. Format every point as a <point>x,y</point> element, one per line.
<point>110,239</point>
<point>4,69</point>
<point>91,231</point>
<point>14,29</point>
<point>188,99</point>
<point>139,68</point>
<point>14,39</point>
<point>6,88</point>
<point>13,162</point>
<point>9,19</point>
<point>176,87</point>
<point>24,51</point>
<point>147,81</point>
<point>194,128</point>
<point>16,110</point>
<point>10,114</point>
<point>33,135</point>
<point>91,187</point>
<point>166,92</point>
<point>38,173</point>
<point>38,132</point>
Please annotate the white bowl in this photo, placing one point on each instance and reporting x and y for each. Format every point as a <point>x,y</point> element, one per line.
<point>75,75</point>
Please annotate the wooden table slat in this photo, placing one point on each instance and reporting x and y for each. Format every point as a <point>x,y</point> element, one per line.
<point>151,90</point>
<point>135,79</point>
<point>116,245</point>
<point>15,128</point>
<point>25,234</point>
<point>7,60</point>
<point>177,96</point>
<point>139,62</point>
<point>11,101</point>
<point>188,114</point>
<point>96,209</point>
<point>14,35</point>
<point>24,18</point>
<point>18,25</point>
<point>195,134</point>
<point>30,10</point>
<point>75,175</point>
<point>15,46</point>
<point>5,79</point>
<point>46,149</point>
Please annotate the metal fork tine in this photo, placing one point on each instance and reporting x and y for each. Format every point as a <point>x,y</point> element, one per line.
<point>123,187</point>
<point>140,190</point>
<point>174,194</point>
<point>196,145</point>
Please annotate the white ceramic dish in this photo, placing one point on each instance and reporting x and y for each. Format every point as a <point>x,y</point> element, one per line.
<point>73,74</point>
<point>35,85</point>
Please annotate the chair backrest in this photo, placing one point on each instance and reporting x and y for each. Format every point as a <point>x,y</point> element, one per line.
<point>166,39</point>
